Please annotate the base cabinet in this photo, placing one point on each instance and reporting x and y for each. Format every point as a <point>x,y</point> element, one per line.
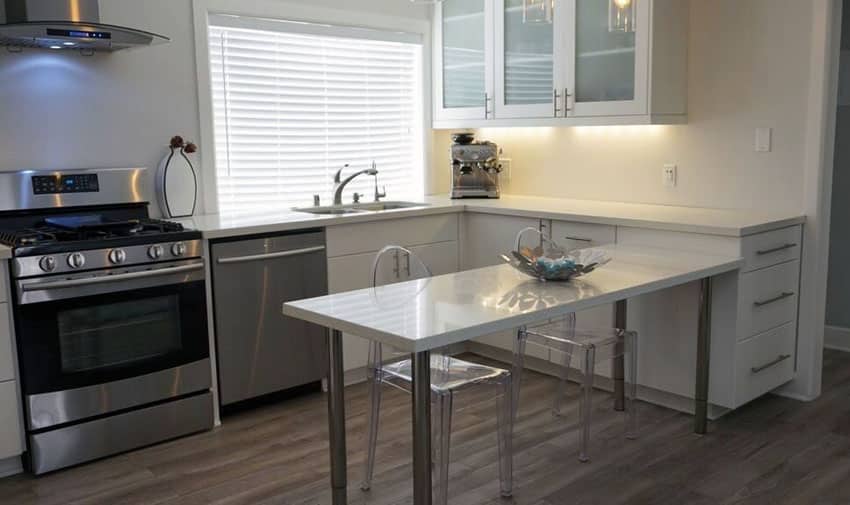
<point>11,429</point>
<point>754,311</point>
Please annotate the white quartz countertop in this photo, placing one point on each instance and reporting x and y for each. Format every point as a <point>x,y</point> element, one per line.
<point>430,313</point>
<point>5,252</point>
<point>734,223</point>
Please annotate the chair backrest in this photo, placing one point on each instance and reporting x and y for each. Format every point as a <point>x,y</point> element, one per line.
<point>395,263</point>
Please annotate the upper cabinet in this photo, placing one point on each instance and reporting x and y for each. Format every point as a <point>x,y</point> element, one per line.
<point>560,62</point>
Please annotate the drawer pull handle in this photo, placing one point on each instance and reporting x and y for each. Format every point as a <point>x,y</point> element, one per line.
<point>778,360</point>
<point>579,239</point>
<point>786,294</point>
<point>776,249</point>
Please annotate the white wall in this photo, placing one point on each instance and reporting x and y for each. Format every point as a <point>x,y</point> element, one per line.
<point>62,110</point>
<point>748,68</point>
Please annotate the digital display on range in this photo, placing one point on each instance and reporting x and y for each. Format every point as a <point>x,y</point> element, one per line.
<point>60,184</point>
<point>78,34</point>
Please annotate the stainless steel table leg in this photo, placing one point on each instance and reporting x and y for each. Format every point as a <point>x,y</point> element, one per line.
<point>703,358</point>
<point>422,428</point>
<point>619,363</point>
<point>336,419</point>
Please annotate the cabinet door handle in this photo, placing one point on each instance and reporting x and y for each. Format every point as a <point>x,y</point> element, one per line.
<point>579,239</point>
<point>397,266</point>
<point>555,97</point>
<point>407,263</point>
<point>776,249</point>
<point>567,96</point>
<point>784,295</point>
<point>778,360</point>
<point>487,100</point>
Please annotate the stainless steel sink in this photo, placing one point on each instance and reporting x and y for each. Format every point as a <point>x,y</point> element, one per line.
<point>357,208</point>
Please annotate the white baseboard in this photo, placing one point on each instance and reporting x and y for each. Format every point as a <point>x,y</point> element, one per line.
<point>837,338</point>
<point>10,466</point>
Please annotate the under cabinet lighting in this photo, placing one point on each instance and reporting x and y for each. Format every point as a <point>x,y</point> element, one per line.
<point>537,11</point>
<point>621,15</point>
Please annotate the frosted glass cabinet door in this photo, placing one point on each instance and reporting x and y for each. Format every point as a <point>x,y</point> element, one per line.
<point>527,63</point>
<point>463,59</point>
<point>608,57</point>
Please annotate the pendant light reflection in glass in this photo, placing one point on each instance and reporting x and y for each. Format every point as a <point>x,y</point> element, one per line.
<point>537,11</point>
<point>621,15</point>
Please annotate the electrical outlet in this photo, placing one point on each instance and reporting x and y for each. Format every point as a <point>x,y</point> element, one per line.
<point>669,176</point>
<point>506,169</point>
<point>764,140</point>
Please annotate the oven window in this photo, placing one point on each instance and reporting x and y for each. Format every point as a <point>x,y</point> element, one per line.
<point>118,334</point>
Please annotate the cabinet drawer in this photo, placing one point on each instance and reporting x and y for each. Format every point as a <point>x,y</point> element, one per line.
<point>764,363</point>
<point>768,298</point>
<point>771,248</point>
<point>7,364</point>
<point>370,237</point>
<point>11,443</point>
<point>580,235</point>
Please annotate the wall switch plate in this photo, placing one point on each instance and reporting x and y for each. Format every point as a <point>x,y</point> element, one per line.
<point>764,140</point>
<point>506,169</point>
<point>669,175</point>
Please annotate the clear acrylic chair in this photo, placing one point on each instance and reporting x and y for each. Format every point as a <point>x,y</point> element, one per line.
<point>588,347</point>
<point>449,375</point>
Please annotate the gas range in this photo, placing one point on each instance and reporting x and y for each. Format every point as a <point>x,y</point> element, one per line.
<point>110,315</point>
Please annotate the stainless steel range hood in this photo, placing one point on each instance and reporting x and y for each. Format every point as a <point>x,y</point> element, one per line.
<point>65,24</point>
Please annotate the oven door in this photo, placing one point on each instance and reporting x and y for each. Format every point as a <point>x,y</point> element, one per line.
<point>107,341</point>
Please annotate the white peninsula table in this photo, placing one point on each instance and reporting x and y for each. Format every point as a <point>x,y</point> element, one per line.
<point>423,315</point>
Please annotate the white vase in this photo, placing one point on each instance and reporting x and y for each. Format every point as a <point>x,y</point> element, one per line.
<point>177,185</point>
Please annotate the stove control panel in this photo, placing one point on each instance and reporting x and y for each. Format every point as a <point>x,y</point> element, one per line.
<point>61,184</point>
<point>105,259</point>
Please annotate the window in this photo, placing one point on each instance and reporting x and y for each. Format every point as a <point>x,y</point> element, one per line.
<point>294,102</point>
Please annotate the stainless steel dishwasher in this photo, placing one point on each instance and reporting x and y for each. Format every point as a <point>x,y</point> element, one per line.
<point>259,350</point>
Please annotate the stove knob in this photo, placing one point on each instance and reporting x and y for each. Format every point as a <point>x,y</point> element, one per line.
<point>155,252</point>
<point>47,263</point>
<point>76,260</point>
<point>117,256</point>
<point>178,249</point>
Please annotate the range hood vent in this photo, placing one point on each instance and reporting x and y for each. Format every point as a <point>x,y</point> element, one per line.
<point>66,24</point>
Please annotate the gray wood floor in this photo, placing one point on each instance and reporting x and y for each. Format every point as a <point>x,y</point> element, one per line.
<point>773,451</point>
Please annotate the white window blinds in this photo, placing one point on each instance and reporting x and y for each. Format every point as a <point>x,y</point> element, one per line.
<point>294,102</point>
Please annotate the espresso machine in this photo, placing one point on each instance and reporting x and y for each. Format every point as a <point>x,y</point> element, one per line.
<point>475,168</point>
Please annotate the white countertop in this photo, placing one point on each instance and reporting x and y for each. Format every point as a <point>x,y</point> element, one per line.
<point>430,313</point>
<point>734,223</point>
<point>5,252</point>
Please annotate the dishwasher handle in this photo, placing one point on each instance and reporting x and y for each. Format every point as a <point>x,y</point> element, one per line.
<point>270,256</point>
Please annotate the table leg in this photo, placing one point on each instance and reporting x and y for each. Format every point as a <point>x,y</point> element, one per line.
<point>336,419</point>
<point>703,358</point>
<point>422,428</point>
<point>619,363</point>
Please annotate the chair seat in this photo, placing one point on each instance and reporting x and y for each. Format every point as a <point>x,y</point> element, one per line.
<point>561,331</point>
<point>447,373</point>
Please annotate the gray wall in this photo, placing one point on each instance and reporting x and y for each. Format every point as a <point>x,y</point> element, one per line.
<point>62,110</point>
<point>838,290</point>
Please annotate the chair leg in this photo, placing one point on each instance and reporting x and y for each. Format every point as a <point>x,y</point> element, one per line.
<point>505,415</point>
<point>373,379</point>
<point>516,369</point>
<point>587,401</point>
<point>445,408</point>
<point>561,386</point>
<point>631,341</point>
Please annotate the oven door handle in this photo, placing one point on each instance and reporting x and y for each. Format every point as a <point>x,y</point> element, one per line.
<point>91,281</point>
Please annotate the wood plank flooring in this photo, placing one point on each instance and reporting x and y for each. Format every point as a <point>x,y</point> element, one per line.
<point>774,451</point>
